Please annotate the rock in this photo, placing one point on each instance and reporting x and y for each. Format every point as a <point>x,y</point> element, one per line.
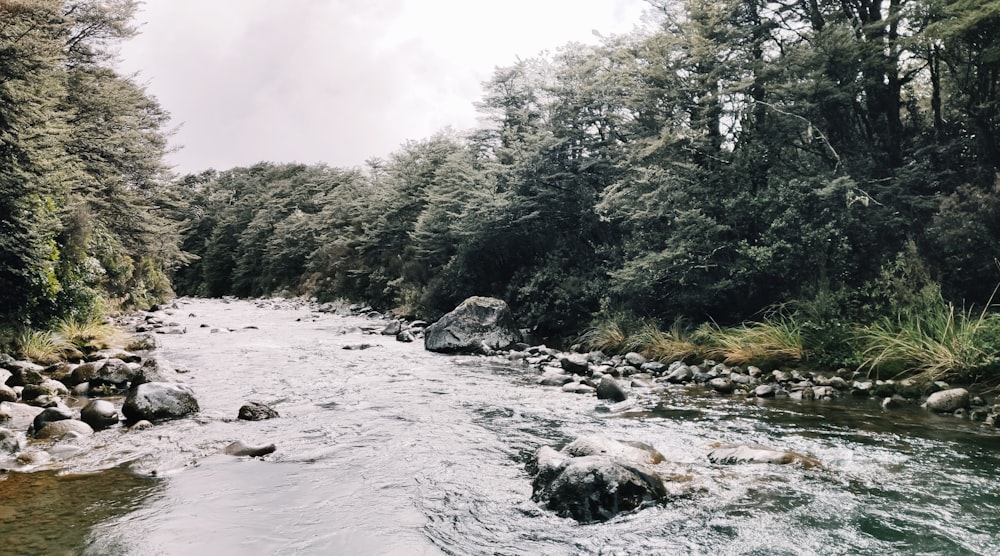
<point>18,415</point>
<point>578,388</point>
<point>10,442</point>
<point>765,391</point>
<point>893,402</point>
<point>141,342</point>
<point>67,427</point>
<point>141,425</point>
<point>159,400</point>
<point>99,414</point>
<point>575,363</point>
<point>153,369</point>
<point>742,453</point>
<point>393,328</point>
<point>635,359</point>
<point>4,376</point>
<point>240,448</point>
<point>405,336</point>
<point>594,479</point>
<point>24,373</point>
<point>947,401</point>
<point>114,372</point>
<point>7,394</point>
<point>721,385</point>
<point>478,325</point>
<point>47,387</point>
<point>256,411</point>
<point>681,373</point>
<point>610,389</point>
<point>50,415</point>
<point>357,347</point>
<point>555,379</point>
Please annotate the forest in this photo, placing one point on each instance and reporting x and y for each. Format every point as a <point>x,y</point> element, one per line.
<point>803,181</point>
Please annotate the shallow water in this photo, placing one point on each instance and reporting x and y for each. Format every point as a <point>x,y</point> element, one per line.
<point>394,450</point>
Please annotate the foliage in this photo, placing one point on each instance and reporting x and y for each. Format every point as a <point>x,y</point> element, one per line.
<point>775,341</point>
<point>81,152</point>
<point>42,346</point>
<point>934,339</point>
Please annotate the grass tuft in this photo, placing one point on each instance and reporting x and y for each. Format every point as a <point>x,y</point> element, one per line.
<point>42,346</point>
<point>775,341</point>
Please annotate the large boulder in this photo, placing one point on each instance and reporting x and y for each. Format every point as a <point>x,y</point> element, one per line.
<point>159,400</point>
<point>478,325</point>
<point>594,479</point>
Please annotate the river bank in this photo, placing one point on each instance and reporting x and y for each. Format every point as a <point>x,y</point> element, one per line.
<point>395,450</point>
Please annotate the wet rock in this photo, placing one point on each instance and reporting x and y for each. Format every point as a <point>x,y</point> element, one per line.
<point>478,325</point>
<point>893,402</point>
<point>18,415</point>
<point>99,414</point>
<point>393,328</point>
<point>742,453</point>
<point>61,429</point>
<point>7,394</point>
<point>50,415</point>
<point>635,359</point>
<point>765,391</point>
<point>681,373</point>
<point>947,401</point>
<point>610,389</point>
<point>140,425</point>
<point>24,373</point>
<point>721,385</point>
<point>575,363</point>
<point>10,442</point>
<point>51,388</point>
<point>153,369</point>
<point>862,388</point>
<point>594,479</point>
<point>240,448</point>
<point>256,411</point>
<point>578,388</point>
<point>555,379</point>
<point>405,336</point>
<point>159,400</point>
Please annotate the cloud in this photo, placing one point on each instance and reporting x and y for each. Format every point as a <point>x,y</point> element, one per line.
<point>338,81</point>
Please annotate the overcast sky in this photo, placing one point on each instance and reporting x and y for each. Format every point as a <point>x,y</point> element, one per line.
<point>338,81</point>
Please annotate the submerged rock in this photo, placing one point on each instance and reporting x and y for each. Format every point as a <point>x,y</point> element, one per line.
<point>594,479</point>
<point>240,448</point>
<point>478,325</point>
<point>743,453</point>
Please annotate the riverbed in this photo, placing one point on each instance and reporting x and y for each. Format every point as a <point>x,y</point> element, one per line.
<point>395,450</point>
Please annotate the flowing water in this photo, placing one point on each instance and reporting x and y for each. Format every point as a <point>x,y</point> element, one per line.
<point>394,450</point>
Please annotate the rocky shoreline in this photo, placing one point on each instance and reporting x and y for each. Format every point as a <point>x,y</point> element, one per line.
<point>45,408</point>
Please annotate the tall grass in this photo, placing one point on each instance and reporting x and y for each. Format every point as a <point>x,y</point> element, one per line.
<point>612,333</point>
<point>777,340</point>
<point>935,340</point>
<point>91,334</point>
<point>42,346</point>
<point>675,344</point>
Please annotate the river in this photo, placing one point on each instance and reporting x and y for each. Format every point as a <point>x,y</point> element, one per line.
<point>397,451</point>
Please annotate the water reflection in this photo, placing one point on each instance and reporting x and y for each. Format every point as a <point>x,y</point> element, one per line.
<point>48,513</point>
